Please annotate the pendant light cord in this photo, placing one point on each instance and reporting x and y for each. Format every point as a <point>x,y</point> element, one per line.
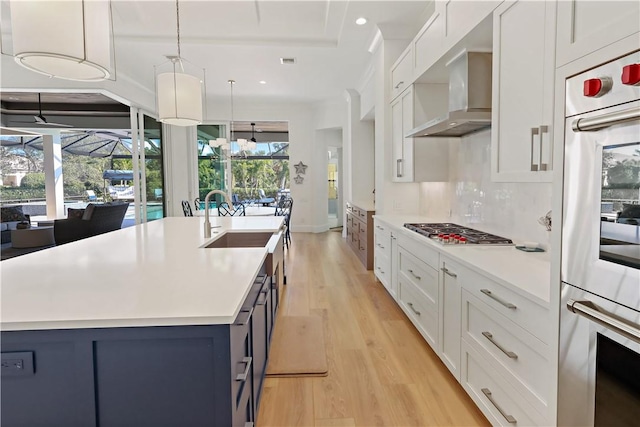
<point>178,26</point>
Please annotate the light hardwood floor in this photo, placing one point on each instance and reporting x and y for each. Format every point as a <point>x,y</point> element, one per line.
<point>381,371</point>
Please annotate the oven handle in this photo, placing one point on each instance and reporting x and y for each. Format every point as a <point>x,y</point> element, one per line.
<point>592,312</point>
<point>606,120</point>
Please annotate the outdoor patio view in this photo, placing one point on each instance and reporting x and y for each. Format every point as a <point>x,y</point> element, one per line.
<point>257,174</point>
<point>97,167</point>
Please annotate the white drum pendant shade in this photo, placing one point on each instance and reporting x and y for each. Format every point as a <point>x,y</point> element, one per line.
<point>65,39</point>
<point>179,99</point>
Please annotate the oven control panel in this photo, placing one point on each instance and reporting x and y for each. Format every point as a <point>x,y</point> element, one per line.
<point>616,82</point>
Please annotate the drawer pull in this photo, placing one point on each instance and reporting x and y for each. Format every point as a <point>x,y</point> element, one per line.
<point>414,275</point>
<point>509,418</point>
<point>489,336</point>
<point>398,85</point>
<point>488,293</point>
<point>264,301</point>
<point>249,312</point>
<point>243,376</point>
<point>380,246</point>
<point>380,270</point>
<point>448,272</point>
<point>413,309</point>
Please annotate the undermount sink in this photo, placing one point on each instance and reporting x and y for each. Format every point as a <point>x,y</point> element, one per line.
<point>232,239</point>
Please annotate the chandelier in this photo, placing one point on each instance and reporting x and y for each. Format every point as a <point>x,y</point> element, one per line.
<point>223,144</point>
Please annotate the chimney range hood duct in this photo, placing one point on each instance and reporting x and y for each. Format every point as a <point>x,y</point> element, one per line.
<point>469,99</point>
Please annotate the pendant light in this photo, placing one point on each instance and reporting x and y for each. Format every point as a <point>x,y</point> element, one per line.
<point>179,95</point>
<point>222,142</point>
<point>65,39</point>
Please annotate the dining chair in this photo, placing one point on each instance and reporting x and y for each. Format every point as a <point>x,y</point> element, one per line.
<point>186,208</point>
<point>236,210</point>
<point>284,208</point>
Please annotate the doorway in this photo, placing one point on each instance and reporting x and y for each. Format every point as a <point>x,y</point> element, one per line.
<point>334,166</point>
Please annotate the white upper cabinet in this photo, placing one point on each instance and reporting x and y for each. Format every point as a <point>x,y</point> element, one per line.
<point>402,73</point>
<point>523,88</point>
<point>460,17</point>
<point>419,159</point>
<point>585,26</point>
<point>427,45</point>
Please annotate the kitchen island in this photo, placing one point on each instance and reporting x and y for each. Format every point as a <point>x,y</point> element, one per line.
<point>141,326</point>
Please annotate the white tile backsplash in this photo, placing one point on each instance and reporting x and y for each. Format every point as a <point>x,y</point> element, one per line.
<point>507,209</point>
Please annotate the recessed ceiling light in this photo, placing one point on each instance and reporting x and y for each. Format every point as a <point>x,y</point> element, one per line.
<point>262,82</point>
<point>361,21</point>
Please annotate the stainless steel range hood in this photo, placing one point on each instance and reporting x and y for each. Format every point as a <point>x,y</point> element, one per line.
<point>469,99</point>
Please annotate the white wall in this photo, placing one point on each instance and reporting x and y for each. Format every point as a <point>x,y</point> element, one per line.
<point>508,209</point>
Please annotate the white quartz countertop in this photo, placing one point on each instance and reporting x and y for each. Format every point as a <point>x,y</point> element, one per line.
<point>155,274</point>
<point>527,273</point>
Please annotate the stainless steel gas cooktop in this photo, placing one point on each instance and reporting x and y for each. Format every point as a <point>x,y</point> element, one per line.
<point>448,233</point>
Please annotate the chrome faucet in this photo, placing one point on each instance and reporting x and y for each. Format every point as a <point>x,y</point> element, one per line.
<point>207,224</point>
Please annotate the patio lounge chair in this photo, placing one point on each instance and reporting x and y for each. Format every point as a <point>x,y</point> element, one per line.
<point>266,201</point>
<point>96,219</point>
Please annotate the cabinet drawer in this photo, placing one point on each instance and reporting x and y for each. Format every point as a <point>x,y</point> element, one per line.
<point>422,251</point>
<point>382,267</point>
<point>402,73</point>
<point>532,317</point>
<point>382,240</point>
<point>422,276</point>
<point>498,401</point>
<point>518,355</point>
<point>422,312</point>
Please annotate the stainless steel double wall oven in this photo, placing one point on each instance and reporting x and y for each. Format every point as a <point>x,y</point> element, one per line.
<point>599,382</point>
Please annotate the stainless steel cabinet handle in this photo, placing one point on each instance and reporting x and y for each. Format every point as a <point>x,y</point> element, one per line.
<point>606,120</point>
<point>448,272</point>
<point>488,293</point>
<point>398,163</point>
<point>543,129</point>
<point>398,85</point>
<point>243,376</point>
<point>248,312</point>
<point>509,418</point>
<point>489,336</point>
<point>413,309</point>
<point>596,314</point>
<point>380,246</point>
<point>534,132</point>
<point>414,275</point>
<point>380,270</point>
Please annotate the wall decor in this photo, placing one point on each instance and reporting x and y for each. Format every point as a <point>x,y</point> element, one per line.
<point>298,179</point>
<point>301,168</point>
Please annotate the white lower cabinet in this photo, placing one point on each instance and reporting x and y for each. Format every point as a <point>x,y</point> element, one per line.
<point>519,356</point>
<point>493,338</point>
<point>497,400</point>
<point>418,287</point>
<point>449,307</point>
<point>382,254</point>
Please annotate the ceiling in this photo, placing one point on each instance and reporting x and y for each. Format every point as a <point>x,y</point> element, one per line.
<point>241,40</point>
<point>244,40</point>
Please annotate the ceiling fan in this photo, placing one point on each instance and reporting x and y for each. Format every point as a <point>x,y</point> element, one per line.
<point>41,120</point>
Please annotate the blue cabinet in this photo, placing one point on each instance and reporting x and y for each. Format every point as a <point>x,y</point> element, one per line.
<point>206,375</point>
